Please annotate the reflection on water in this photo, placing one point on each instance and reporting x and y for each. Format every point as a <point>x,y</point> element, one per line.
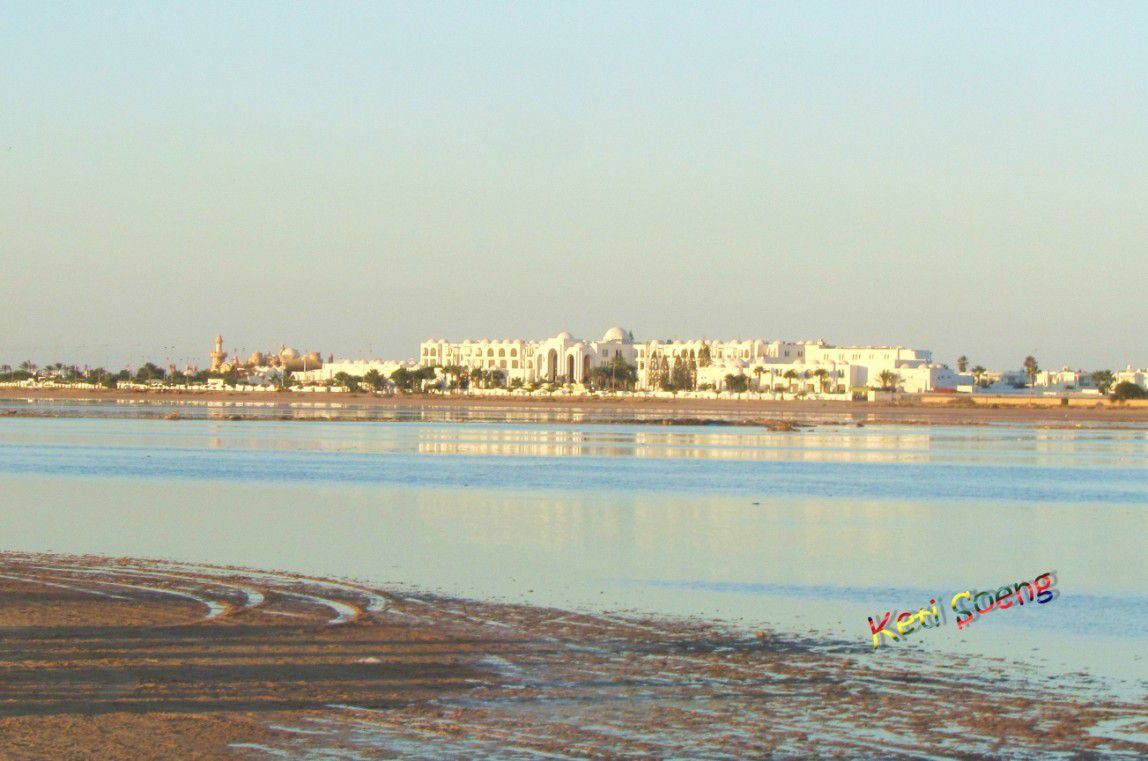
<point>353,408</point>
<point>906,444</point>
<point>349,409</point>
<point>804,532</point>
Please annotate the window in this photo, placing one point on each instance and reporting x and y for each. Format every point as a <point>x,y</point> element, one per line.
<point>502,353</point>
<point>514,353</point>
<point>502,364</point>
<point>490,352</point>
<point>514,364</point>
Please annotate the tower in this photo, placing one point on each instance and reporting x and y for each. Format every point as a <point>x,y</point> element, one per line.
<point>218,355</point>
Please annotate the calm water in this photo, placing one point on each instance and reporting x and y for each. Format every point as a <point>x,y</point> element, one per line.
<point>807,532</point>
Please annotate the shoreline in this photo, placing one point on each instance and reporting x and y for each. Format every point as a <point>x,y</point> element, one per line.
<point>136,659</point>
<point>954,411</point>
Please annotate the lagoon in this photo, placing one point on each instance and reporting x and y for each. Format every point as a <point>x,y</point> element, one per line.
<point>804,532</point>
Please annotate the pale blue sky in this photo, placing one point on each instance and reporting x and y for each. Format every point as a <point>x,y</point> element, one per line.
<point>354,178</point>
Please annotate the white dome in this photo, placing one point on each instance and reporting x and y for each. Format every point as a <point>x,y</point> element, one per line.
<point>615,334</point>
<point>564,336</point>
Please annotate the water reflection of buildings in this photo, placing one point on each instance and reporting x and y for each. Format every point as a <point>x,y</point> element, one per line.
<point>972,446</point>
<point>755,447</point>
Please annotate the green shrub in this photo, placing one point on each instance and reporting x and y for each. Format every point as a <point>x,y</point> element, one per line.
<point>1128,390</point>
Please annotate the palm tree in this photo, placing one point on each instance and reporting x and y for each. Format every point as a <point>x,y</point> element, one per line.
<point>979,375</point>
<point>821,374</point>
<point>462,375</point>
<point>790,375</point>
<point>1103,380</point>
<point>759,371</point>
<point>888,380</point>
<point>737,384</point>
<point>1031,368</point>
<point>962,364</point>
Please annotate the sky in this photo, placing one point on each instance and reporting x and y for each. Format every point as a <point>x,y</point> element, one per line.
<point>354,178</point>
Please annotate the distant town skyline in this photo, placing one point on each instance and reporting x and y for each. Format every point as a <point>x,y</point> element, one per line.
<point>357,178</point>
<point>242,349</point>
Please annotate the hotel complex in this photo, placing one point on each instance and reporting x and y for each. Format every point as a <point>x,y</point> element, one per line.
<point>616,362</point>
<point>788,366</point>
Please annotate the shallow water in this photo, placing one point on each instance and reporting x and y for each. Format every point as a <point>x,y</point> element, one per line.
<point>807,532</point>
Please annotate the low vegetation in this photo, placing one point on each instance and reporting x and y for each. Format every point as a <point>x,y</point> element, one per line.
<point>1128,390</point>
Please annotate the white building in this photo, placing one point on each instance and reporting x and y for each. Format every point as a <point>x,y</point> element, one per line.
<point>1064,379</point>
<point>1130,375</point>
<point>355,368</point>
<point>561,359</point>
<point>780,366</point>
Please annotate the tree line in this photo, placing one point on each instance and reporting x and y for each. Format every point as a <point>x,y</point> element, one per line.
<point>1102,380</point>
<point>100,376</point>
<point>616,375</point>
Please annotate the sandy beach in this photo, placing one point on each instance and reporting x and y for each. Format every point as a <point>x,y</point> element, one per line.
<point>942,411</point>
<point>129,659</point>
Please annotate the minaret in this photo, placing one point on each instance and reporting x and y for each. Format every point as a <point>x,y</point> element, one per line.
<point>218,355</point>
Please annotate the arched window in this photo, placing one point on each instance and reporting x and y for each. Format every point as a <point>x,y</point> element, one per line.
<point>502,353</point>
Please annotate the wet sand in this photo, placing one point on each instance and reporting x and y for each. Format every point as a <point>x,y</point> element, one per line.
<point>128,659</point>
<point>945,411</point>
